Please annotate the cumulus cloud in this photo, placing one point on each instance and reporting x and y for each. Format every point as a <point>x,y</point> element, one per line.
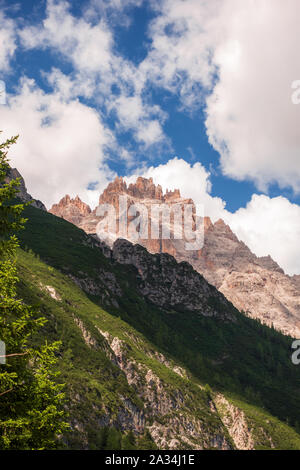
<point>7,42</point>
<point>241,58</point>
<point>225,53</point>
<point>180,58</point>
<point>115,9</point>
<point>270,226</point>
<point>134,115</point>
<point>61,148</point>
<point>89,46</point>
<point>70,86</point>
<point>251,120</point>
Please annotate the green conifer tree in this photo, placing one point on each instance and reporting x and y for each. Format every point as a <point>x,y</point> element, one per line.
<point>31,401</point>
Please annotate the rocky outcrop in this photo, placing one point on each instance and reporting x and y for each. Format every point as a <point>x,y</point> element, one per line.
<point>258,286</point>
<point>51,291</point>
<point>72,210</point>
<point>104,286</point>
<point>236,422</point>
<point>173,417</point>
<point>22,191</point>
<point>143,191</point>
<point>143,188</point>
<point>171,285</point>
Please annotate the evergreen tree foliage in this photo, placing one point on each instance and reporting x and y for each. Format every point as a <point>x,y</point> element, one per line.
<point>31,400</point>
<point>128,441</point>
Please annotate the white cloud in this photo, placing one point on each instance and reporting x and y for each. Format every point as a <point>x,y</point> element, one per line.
<point>251,119</point>
<point>129,110</point>
<point>112,8</point>
<point>87,46</point>
<point>70,86</point>
<point>61,145</point>
<point>270,226</point>
<point>7,42</point>
<point>180,58</point>
<point>135,115</point>
<point>244,56</point>
<point>150,132</point>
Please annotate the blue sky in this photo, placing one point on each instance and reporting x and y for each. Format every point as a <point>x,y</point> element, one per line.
<point>98,88</point>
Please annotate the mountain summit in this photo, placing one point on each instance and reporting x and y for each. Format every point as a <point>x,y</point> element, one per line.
<point>152,355</point>
<point>143,188</point>
<point>73,210</point>
<point>22,190</point>
<point>255,285</point>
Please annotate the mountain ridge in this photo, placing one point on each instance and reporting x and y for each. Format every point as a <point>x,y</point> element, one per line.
<point>246,364</point>
<point>256,285</point>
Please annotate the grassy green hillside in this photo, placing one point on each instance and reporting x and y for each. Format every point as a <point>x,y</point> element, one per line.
<point>96,387</point>
<point>95,384</point>
<point>241,359</point>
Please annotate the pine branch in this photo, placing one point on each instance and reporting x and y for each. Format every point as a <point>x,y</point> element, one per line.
<point>16,354</point>
<point>7,391</point>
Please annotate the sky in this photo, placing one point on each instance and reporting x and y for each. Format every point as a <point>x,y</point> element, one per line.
<point>197,94</point>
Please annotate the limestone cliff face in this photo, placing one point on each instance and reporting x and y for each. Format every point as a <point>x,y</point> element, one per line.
<point>22,191</point>
<point>169,284</point>
<point>173,416</point>
<point>258,286</point>
<point>73,210</point>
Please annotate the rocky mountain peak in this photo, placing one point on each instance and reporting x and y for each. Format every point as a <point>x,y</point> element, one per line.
<point>221,229</point>
<point>73,210</point>
<point>143,188</point>
<point>64,201</point>
<point>255,285</point>
<point>221,226</point>
<point>207,223</point>
<point>220,223</point>
<point>113,190</point>
<point>22,190</point>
